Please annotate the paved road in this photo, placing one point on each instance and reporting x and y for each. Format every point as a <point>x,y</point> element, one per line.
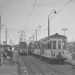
<point>35,66</point>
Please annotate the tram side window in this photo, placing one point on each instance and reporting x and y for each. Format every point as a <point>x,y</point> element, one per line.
<point>44,46</point>
<point>47,46</point>
<point>38,45</point>
<point>64,44</point>
<point>35,46</point>
<point>59,44</point>
<point>50,45</point>
<point>54,44</point>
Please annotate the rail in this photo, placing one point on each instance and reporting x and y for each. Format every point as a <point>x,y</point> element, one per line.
<point>21,67</point>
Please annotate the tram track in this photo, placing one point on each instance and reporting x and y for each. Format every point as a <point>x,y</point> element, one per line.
<point>48,69</point>
<point>42,68</point>
<point>64,69</point>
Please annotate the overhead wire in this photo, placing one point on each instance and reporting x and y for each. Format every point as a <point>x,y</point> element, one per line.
<point>59,11</point>
<point>30,14</point>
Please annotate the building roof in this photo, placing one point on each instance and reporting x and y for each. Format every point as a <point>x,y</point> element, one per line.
<point>57,36</point>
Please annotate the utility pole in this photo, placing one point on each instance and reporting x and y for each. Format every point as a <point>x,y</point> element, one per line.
<point>5,32</point>
<point>64,29</point>
<point>49,21</point>
<point>36,34</point>
<point>0,29</point>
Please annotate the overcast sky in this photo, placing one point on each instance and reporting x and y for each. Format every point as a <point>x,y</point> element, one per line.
<point>15,13</point>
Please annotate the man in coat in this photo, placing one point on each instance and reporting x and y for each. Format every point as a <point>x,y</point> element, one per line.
<point>73,58</point>
<point>15,56</point>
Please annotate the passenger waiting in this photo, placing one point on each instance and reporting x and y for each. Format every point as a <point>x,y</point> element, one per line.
<point>73,58</point>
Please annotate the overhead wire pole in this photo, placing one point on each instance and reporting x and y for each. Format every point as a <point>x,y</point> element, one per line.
<point>49,21</point>
<point>0,29</point>
<point>64,29</point>
<point>5,32</point>
<point>59,11</point>
<point>11,41</point>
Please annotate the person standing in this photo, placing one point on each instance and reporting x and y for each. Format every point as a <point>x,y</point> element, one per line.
<point>15,57</point>
<point>0,56</point>
<point>73,59</point>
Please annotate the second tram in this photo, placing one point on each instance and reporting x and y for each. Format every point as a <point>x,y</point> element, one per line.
<point>52,48</point>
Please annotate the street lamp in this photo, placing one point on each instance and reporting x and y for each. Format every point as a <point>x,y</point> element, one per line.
<point>49,22</point>
<point>64,29</point>
<point>36,31</point>
<point>5,32</point>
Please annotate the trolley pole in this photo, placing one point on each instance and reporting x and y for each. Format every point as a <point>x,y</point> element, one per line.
<point>6,36</point>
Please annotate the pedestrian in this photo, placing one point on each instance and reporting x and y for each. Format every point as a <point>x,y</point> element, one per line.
<point>15,57</point>
<point>73,58</point>
<point>1,56</point>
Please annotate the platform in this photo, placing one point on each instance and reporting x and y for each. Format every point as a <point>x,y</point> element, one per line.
<point>8,69</point>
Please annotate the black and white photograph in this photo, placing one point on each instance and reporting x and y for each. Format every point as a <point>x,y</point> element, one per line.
<point>37,37</point>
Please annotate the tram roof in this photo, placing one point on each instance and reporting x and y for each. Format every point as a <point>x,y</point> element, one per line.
<point>54,36</point>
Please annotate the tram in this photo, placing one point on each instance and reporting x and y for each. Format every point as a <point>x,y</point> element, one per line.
<point>52,48</point>
<point>22,48</point>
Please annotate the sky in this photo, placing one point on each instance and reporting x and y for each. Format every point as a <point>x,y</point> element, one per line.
<point>15,16</point>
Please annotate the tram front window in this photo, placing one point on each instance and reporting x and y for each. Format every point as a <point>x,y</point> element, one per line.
<point>64,44</point>
<point>54,44</point>
<point>50,45</point>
